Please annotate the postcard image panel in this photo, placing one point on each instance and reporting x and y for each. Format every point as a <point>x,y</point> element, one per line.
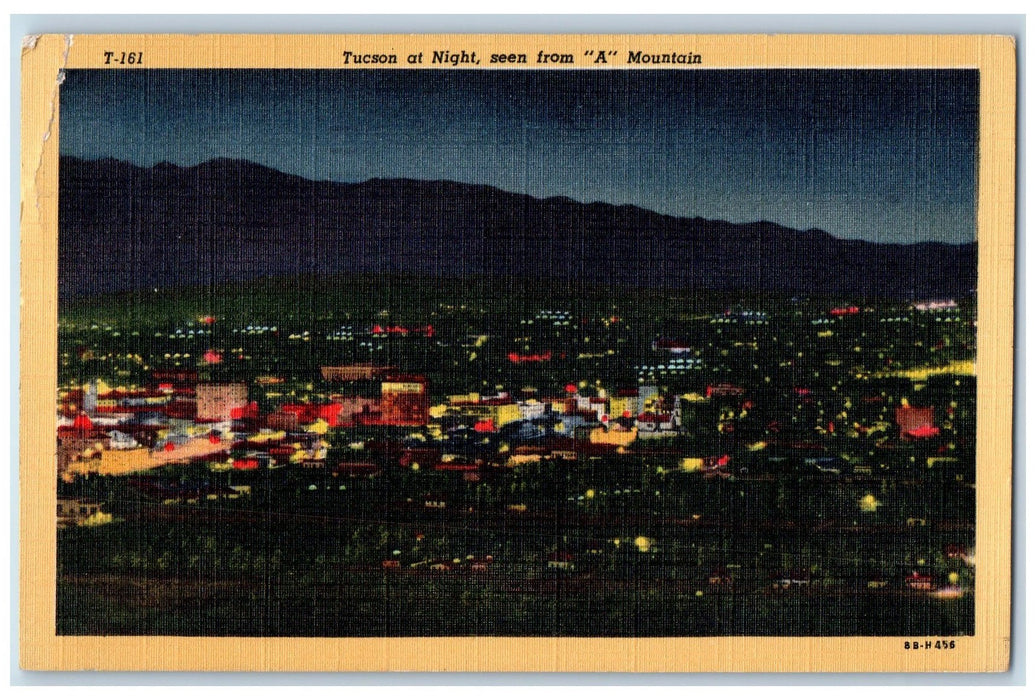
<point>517,352</point>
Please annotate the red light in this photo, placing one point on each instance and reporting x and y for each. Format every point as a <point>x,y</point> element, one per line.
<point>535,357</point>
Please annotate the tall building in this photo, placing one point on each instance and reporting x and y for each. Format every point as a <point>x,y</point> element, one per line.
<point>90,398</point>
<point>217,400</point>
<point>404,400</point>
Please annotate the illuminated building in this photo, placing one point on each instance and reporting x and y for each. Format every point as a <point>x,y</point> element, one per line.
<point>622,438</point>
<point>672,345</point>
<point>914,421</point>
<point>625,402</point>
<point>174,378</point>
<point>217,401</point>
<point>723,390</point>
<point>354,406</point>
<point>491,413</point>
<point>937,305</point>
<point>404,400</point>
<point>311,412</point>
<point>364,371</point>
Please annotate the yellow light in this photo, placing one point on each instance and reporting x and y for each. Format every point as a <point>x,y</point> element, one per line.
<point>869,504</point>
<point>954,577</point>
<point>643,543</point>
<point>589,493</point>
<point>692,464</point>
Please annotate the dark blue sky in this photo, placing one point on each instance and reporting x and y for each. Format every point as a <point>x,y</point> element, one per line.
<point>879,155</point>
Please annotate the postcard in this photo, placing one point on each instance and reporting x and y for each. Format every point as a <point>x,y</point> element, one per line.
<point>516,352</point>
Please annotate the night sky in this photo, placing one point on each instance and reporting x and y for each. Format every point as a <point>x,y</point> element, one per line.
<point>886,156</point>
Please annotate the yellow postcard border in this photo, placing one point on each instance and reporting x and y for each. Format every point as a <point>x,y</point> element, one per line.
<point>45,56</point>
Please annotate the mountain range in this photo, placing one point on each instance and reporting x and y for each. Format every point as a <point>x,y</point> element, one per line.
<point>124,227</point>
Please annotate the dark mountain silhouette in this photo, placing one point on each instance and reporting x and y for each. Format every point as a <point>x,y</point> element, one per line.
<point>123,227</point>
